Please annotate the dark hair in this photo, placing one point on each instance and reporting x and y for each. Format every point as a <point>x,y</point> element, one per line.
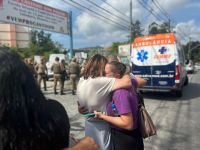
<point>57,59</point>
<point>21,105</point>
<point>95,67</point>
<point>118,67</point>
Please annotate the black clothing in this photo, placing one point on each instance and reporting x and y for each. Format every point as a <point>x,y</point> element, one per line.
<point>47,129</point>
<point>126,140</point>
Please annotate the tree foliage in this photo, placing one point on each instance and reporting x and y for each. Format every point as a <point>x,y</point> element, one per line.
<point>40,44</point>
<point>137,29</point>
<point>192,50</point>
<point>154,28</point>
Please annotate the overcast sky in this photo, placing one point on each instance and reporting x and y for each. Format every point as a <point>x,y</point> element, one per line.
<point>89,31</point>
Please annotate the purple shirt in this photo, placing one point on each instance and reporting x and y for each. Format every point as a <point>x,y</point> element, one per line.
<point>126,101</point>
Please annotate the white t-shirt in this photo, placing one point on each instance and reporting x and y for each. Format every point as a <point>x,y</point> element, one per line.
<point>93,93</point>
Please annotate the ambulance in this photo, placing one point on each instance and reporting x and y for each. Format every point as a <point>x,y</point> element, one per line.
<point>161,61</point>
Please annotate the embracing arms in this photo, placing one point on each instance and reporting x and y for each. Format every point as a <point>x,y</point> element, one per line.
<point>123,121</point>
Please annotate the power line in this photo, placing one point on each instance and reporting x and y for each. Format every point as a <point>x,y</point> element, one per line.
<point>120,12</point>
<point>163,11</point>
<point>150,10</point>
<point>127,21</point>
<point>95,14</point>
<point>99,14</point>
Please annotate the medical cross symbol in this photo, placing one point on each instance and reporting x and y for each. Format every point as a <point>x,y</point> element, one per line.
<point>142,55</point>
<point>163,50</point>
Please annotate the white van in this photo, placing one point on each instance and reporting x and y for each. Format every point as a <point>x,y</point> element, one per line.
<point>161,61</point>
<point>52,60</point>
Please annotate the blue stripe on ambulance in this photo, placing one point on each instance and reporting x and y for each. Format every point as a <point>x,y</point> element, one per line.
<point>163,75</point>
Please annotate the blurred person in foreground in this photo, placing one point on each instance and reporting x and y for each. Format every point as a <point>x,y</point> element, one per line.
<point>93,92</point>
<point>27,120</point>
<point>122,112</point>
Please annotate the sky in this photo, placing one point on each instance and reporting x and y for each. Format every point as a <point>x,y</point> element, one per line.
<point>90,31</point>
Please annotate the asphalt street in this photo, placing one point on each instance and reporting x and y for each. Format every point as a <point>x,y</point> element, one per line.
<point>176,119</point>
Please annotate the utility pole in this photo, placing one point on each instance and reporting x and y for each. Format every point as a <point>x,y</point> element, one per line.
<point>131,27</point>
<point>189,51</point>
<point>169,25</point>
<point>71,36</point>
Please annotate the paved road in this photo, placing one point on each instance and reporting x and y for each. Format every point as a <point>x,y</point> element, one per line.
<point>177,119</point>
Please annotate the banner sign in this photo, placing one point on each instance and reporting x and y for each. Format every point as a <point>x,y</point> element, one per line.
<point>35,15</point>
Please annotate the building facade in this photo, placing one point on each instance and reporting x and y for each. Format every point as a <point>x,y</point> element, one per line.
<point>14,35</point>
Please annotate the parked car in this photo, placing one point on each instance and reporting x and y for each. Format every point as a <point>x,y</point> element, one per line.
<point>197,66</point>
<point>190,66</point>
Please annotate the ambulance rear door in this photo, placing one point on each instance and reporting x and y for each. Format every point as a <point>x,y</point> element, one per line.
<point>153,58</point>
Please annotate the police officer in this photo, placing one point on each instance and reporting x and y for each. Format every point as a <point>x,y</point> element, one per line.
<point>74,72</point>
<point>41,72</point>
<point>31,67</point>
<point>56,69</point>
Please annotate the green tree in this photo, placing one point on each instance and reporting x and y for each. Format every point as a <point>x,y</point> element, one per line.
<point>192,50</point>
<point>40,44</point>
<point>137,30</point>
<point>43,43</point>
<point>154,28</point>
<point>164,28</point>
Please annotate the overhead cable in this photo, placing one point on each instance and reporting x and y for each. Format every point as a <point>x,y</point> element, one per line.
<point>117,10</point>
<point>95,14</point>
<point>127,21</point>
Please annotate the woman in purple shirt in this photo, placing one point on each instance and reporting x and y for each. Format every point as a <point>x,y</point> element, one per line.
<point>122,113</point>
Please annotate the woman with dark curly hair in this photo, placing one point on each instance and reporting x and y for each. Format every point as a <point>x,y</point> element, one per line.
<point>27,120</point>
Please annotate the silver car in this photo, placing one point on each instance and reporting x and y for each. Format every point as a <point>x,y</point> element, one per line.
<point>190,66</point>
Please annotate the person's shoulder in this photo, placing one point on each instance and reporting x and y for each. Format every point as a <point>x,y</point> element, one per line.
<point>53,105</point>
<point>120,92</point>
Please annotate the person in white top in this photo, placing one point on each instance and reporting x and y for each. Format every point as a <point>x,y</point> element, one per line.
<point>93,92</point>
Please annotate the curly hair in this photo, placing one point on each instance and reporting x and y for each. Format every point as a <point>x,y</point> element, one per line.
<point>21,106</point>
<point>95,67</point>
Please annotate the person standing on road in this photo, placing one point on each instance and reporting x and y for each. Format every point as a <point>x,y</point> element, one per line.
<point>41,72</point>
<point>63,74</point>
<point>30,65</point>
<point>74,73</point>
<point>93,92</point>
<point>123,112</point>
<point>56,69</point>
<point>28,121</point>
